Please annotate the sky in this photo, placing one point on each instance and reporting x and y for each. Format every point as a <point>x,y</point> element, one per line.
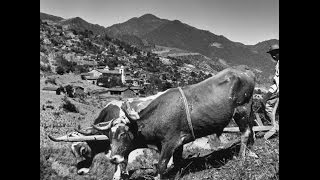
<point>245,21</point>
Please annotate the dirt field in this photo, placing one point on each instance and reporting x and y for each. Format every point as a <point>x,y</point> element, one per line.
<point>57,162</point>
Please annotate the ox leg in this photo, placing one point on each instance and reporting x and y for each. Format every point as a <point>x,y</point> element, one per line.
<point>167,151</point>
<point>244,119</point>
<point>177,156</point>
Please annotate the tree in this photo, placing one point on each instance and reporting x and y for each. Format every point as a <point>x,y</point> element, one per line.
<point>60,70</point>
<point>82,68</point>
<point>166,85</point>
<point>193,74</point>
<point>115,81</point>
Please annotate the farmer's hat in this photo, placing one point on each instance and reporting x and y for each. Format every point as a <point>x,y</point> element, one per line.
<point>274,48</point>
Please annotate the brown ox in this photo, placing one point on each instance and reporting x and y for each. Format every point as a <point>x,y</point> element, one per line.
<point>163,123</point>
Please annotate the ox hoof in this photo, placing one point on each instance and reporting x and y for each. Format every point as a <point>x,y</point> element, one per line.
<point>83,171</point>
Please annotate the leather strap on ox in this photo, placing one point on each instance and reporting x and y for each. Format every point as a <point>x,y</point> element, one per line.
<point>187,111</point>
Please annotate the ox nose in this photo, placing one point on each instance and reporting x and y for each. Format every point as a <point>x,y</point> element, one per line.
<point>116,159</point>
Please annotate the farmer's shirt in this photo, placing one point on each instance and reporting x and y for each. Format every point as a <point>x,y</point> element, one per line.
<point>274,88</point>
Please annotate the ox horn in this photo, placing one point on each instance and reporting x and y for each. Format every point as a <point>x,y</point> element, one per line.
<point>59,139</point>
<point>86,132</point>
<point>66,138</point>
<point>70,138</point>
<point>103,126</point>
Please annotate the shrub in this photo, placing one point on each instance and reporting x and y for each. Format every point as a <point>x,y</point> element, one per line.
<point>64,64</point>
<point>60,70</point>
<point>51,81</point>
<point>45,68</point>
<point>68,106</point>
<point>82,68</point>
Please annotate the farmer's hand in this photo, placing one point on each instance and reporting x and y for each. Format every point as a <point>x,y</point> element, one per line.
<point>266,97</point>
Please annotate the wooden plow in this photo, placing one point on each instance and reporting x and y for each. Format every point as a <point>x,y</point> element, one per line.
<point>270,130</point>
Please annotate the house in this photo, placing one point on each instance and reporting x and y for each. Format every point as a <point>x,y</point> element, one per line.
<point>95,73</point>
<point>138,90</point>
<point>124,92</point>
<point>92,79</point>
<point>104,71</point>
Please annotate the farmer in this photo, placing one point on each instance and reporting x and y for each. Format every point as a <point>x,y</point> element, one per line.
<point>269,100</point>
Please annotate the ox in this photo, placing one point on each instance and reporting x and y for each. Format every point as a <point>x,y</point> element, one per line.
<point>165,125</point>
<point>88,142</point>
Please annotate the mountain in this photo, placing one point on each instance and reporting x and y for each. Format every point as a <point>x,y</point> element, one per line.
<point>44,16</point>
<point>82,25</point>
<point>183,36</point>
<point>176,34</point>
<point>132,30</point>
<point>148,31</point>
<point>136,26</point>
<point>263,47</point>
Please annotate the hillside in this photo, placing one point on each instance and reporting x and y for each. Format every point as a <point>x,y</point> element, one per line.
<point>64,50</point>
<point>44,16</point>
<point>148,31</point>
<point>263,47</point>
<point>183,36</point>
<point>81,25</point>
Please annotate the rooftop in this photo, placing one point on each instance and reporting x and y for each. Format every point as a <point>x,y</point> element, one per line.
<point>117,89</point>
<point>108,71</point>
<point>92,78</point>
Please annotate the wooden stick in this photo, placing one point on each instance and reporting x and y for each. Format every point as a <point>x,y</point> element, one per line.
<point>258,120</point>
<point>274,111</point>
<point>255,128</point>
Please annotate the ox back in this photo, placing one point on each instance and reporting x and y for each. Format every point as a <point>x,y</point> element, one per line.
<point>211,102</point>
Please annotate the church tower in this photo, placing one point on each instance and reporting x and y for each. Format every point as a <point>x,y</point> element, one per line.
<point>121,70</point>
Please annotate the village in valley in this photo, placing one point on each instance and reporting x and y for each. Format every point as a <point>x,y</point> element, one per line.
<point>114,68</point>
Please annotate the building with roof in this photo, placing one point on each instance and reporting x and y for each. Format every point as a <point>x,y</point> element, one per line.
<point>124,92</point>
<point>92,79</point>
<point>95,74</point>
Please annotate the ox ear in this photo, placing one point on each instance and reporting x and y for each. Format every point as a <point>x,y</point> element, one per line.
<point>131,119</point>
<point>103,126</point>
<point>133,123</point>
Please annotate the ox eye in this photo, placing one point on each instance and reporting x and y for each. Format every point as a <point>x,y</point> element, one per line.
<point>121,135</point>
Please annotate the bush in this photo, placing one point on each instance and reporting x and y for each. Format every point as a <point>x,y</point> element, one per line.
<point>68,106</point>
<point>66,65</point>
<point>82,68</point>
<point>60,70</point>
<point>45,68</point>
<point>51,81</point>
